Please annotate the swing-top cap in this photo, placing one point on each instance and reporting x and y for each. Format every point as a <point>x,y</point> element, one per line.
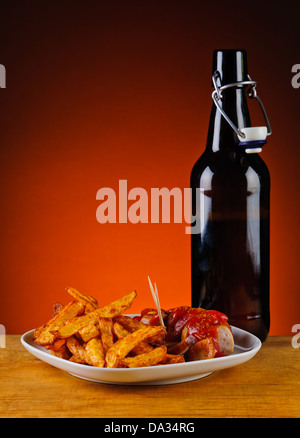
<point>254,138</point>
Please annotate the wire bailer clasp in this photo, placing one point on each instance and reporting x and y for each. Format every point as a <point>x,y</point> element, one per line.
<point>254,134</point>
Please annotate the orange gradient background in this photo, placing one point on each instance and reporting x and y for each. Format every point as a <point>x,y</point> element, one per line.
<point>102,91</point>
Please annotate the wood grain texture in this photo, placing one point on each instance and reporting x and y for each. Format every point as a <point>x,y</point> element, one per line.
<point>266,386</point>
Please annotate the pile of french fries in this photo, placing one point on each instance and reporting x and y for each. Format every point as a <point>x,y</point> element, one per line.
<point>85,333</point>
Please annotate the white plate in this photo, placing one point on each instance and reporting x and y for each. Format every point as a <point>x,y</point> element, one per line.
<point>246,346</point>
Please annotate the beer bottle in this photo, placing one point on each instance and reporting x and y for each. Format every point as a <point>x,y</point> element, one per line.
<point>231,200</point>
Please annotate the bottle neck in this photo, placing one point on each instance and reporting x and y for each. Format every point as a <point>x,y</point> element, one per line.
<point>221,136</point>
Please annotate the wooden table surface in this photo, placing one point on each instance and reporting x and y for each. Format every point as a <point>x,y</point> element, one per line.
<point>266,386</point>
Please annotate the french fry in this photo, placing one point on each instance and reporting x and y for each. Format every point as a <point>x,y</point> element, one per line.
<point>172,358</point>
<point>106,330</point>
<point>123,346</point>
<point>147,359</point>
<point>45,335</point>
<point>121,332</point>
<point>93,300</point>
<point>64,354</point>
<point>89,332</point>
<point>59,349</point>
<point>77,349</point>
<point>57,308</point>
<point>89,302</point>
<point>109,311</point>
<point>95,354</point>
<point>77,360</point>
<point>129,323</point>
<point>58,345</point>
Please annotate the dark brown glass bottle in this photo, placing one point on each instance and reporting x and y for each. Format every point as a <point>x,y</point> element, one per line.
<point>230,253</point>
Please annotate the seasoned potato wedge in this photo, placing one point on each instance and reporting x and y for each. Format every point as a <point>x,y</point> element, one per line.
<point>123,346</point>
<point>151,358</point>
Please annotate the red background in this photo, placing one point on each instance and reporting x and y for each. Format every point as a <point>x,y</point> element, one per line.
<point>102,91</point>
